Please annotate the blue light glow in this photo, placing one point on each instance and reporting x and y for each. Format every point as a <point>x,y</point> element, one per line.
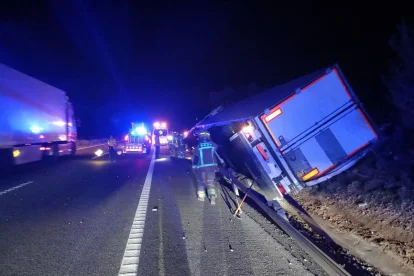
<point>141,130</point>
<point>35,129</point>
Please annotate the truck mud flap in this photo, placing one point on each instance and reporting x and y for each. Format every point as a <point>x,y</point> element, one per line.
<point>6,158</point>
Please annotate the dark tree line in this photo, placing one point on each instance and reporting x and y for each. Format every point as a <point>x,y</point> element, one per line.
<point>400,80</point>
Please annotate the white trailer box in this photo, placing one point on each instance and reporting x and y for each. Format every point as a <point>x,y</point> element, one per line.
<point>304,131</point>
<point>33,113</point>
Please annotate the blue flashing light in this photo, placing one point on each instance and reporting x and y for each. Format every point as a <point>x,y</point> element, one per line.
<point>141,130</point>
<point>35,129</point>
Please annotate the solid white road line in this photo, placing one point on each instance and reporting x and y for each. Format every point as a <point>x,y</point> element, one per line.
<point>130,261</point>
<point>15,187</point>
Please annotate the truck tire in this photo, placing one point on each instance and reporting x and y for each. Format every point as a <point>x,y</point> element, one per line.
<point>55,151</point>
<point>52,154</point>
<point>6,159</point>
<point>72,148</point>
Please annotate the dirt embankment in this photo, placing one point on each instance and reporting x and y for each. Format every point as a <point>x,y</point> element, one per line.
<point>374,199</point>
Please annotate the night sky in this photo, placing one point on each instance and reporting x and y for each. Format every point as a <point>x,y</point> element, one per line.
<point>124,61</point>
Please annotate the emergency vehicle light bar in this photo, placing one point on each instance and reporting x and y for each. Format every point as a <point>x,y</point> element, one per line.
<point>141,130</point>
<point>160,125</point>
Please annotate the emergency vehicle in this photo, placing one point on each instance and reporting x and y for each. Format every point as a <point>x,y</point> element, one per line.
<point>161,130</point>
<point>137,141</point>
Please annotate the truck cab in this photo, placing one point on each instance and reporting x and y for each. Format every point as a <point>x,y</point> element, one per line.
<point>137,141</point>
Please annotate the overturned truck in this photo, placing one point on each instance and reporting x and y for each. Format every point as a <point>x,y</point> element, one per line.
<point>294,135</point>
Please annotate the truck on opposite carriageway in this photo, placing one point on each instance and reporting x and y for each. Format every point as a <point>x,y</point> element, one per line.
<point>36,119</point>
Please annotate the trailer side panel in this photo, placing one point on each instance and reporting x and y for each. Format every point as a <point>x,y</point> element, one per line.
<point>318,127</point>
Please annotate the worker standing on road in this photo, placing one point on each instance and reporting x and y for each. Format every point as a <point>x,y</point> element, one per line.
<point>205,167</point>
<point>180,146</point>
<point>157,145</point>
<point>171,144</point>
<point>111,148</point>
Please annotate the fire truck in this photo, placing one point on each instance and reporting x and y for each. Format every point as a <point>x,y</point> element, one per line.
<point>138,140</point>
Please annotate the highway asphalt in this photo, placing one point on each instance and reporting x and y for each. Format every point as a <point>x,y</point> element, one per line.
<point>84,216</point>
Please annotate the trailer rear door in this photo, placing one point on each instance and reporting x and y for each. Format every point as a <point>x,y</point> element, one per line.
<point>319,127</point>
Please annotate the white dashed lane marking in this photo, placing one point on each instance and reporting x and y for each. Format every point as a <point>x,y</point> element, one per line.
<point>15,187</point>
<point>130,261</point>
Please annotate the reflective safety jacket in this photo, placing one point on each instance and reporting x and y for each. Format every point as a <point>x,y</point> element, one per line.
<point>204,156</point>
<point>157,140</point>
<point>178,140</point>
<point>112,143</point>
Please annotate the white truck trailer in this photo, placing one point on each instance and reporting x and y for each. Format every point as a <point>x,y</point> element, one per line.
<point>36,119</point>
<point>297,134</point>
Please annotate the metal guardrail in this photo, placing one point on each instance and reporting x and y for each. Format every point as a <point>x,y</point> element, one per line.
<point>329,265</point>
<point>86,143</point>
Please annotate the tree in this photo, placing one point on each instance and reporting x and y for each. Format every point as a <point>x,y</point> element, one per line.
<point>401,80</point>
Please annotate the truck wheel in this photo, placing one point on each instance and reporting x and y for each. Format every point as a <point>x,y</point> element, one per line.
<point>55,152</point>
<point>6,159</point>
<point>52,154</point>
<point>72,148</point>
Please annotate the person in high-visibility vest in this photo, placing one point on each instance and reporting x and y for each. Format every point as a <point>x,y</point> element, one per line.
<point>171,145</point>
<point>180,145</point>
<point>157,145</point>
<point>111,147</point>
<point>205,167</point>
